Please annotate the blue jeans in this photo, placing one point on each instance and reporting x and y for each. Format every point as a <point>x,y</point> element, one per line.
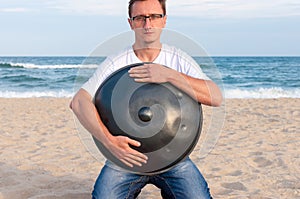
<point>184,181</point>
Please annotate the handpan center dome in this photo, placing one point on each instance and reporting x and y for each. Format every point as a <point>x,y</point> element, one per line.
<point>145,114</point>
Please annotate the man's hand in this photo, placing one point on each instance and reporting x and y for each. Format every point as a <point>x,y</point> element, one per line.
<point>120,147</point>
<point>153,73</point>
<point>204,91</point>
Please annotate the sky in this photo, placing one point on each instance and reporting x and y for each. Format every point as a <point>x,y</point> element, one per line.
<point>221,27</point>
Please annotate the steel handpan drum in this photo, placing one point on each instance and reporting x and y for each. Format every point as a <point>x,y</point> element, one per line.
<point>166,121</point>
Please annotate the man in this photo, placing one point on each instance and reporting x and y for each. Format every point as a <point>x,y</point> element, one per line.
<point>147,18</point>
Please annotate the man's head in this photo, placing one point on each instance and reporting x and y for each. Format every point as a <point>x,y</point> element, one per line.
<point>161,2</point>
<point>147,19</point>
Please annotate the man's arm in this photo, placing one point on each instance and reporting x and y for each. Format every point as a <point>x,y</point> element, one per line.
<point>87,114</point>
<point>204,91</point>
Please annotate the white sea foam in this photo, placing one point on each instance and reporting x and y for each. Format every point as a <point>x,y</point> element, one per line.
<point>60,66</point>
<point>28,94</point>
<point>260,93</point>
<point>263,93</point>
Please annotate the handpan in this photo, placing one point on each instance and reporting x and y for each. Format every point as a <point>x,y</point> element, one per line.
<point>166,121</point>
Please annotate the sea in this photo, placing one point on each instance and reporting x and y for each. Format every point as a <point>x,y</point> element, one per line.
<point>238,77</point>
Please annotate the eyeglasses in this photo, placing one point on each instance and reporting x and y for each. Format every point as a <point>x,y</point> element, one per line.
<point>141,19</point>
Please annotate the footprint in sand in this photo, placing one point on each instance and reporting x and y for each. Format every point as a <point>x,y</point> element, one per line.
<point>234,186</point>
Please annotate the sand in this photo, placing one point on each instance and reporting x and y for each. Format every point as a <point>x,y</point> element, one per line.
<point>256,154</point>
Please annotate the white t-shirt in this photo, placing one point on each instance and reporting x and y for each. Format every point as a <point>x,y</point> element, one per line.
<point>169,56</point>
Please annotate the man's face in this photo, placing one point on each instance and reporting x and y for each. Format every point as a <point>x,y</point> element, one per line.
<point>147,21</point>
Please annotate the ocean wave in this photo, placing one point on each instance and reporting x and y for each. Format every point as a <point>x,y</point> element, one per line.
<point>9,65</point>
<point>262,93</point>
<point>15,78</point>
<point>259,93</point>
<point>36,66</point>
<point>29,94</point>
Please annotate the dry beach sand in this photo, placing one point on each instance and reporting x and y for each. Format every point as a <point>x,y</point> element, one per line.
<point>256,154</point>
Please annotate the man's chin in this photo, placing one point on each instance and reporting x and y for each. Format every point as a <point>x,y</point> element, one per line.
<point>151,39</point>
<point>150,44</point>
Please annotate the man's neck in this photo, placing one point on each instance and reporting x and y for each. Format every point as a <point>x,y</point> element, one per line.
<point>147,53</point>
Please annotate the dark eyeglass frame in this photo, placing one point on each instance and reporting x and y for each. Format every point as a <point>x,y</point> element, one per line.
<point>150,17</point>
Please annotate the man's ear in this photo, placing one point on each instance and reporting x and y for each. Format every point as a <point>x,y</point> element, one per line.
<point>165,20</point>
<point>130,23</point>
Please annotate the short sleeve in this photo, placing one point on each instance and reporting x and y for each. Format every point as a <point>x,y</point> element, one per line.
<point>179,60</point>
<point>193,69</point>
<point>101,73</point>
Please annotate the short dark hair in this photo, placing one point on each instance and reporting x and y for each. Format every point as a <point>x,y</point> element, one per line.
<point>131,2</point>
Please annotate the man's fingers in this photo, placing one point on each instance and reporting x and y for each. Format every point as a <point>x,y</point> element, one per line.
<point>139,75</point>
<point>126,162</point>
<point>135,154</point>
<point>138,156</point>
<point>139,70</point>
<point>142,80</point>
<point>133,142</point>
<point>131,160</point>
